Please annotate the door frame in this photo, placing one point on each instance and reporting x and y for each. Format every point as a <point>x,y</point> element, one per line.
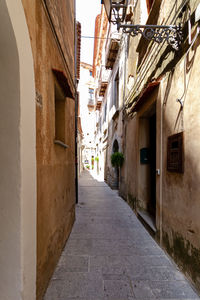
<point>153,99</point>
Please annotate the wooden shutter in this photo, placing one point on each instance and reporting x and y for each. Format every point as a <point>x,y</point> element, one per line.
<point>175,153</point>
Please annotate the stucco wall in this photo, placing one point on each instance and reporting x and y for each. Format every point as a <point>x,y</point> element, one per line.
<point>177,194</point>
<point>18,157</point>
<point>181,224</point>
<point>128,185</point>
<point>52,49</point>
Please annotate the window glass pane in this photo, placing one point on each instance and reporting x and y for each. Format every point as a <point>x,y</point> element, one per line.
<point>59,114</point>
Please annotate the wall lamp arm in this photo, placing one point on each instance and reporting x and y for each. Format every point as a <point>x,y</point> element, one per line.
<point>172,34</point>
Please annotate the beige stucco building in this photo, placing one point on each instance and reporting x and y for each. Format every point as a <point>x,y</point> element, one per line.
<point>160,125</point>
<point>37,142</point>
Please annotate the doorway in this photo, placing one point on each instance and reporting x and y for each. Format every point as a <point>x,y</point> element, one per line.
<point>116,169</point>
<point>147,167</point>
<point>152,160</point>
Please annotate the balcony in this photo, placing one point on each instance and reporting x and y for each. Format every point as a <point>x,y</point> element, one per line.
<point>103,80</point>
<point>98,104</point>
<point>112,48</point>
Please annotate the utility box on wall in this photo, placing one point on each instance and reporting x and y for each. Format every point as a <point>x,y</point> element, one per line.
<point>144,156</point>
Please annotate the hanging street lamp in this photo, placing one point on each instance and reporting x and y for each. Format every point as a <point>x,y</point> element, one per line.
<point>116,11</point>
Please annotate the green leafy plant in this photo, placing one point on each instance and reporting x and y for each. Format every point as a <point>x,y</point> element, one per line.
<point>88,167</point>
<point>117,159</point>
<point>96,158</point>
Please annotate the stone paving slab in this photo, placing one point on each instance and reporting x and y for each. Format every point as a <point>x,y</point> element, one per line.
<point>110,255</point>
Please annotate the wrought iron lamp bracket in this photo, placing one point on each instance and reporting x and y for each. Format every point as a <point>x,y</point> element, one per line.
<point>172,34</point>
<point>116,9</point>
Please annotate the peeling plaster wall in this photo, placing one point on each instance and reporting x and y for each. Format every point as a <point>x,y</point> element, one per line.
<point>181,204</point>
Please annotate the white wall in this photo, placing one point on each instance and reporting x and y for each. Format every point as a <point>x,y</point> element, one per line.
<point>17,157</point>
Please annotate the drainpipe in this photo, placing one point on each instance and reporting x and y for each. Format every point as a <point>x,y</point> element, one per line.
<point>76,104</point>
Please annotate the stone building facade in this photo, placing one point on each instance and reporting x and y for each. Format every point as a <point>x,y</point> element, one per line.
<point>160,122</point>
<point>101,81</point>
<point>109,73</point>
<point>40,41</point>
<point>86,89</point>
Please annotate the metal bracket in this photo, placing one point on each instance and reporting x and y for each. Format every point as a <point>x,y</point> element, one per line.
<point>172,34</point>
<point>180,101</point>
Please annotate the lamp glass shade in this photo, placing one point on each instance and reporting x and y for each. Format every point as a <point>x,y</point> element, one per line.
<point>110,5</point>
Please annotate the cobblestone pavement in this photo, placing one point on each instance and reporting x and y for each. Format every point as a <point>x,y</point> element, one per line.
<point>110,255</point>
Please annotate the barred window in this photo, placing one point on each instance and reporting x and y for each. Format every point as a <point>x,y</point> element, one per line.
<point>175,154</point>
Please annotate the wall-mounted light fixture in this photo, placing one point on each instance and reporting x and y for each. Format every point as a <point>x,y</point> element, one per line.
<point>116,12</point>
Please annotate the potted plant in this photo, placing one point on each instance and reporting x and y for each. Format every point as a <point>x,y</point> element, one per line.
<point>117,159</point>
<point>97,161</point>
<point>92,162</point>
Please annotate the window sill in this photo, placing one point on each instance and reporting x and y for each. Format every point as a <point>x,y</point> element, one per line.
<point>57,142</point>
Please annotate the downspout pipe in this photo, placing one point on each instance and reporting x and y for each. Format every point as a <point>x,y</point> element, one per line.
<point>76,104</point>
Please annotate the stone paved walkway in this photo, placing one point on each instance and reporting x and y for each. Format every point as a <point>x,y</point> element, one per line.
<point>110,255</point>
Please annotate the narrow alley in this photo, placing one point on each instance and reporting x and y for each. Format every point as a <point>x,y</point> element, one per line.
<point>109,254</point>
<point>99,133</point>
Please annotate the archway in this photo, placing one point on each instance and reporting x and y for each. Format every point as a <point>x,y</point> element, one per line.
<point>17,156</point>
<point>115,146</point>
<point>115,149</point>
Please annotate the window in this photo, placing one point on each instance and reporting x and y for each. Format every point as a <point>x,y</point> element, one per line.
<point>105,112</point>
<point>91,97</point>
<point>175,153</point>
<point>116,91</point>
<point>115,146</point>
<point>59,114</point>
<point>91,94</point>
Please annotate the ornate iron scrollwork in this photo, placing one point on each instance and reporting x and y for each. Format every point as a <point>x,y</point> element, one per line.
<point>172,34</point>
<point>118,11</point>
